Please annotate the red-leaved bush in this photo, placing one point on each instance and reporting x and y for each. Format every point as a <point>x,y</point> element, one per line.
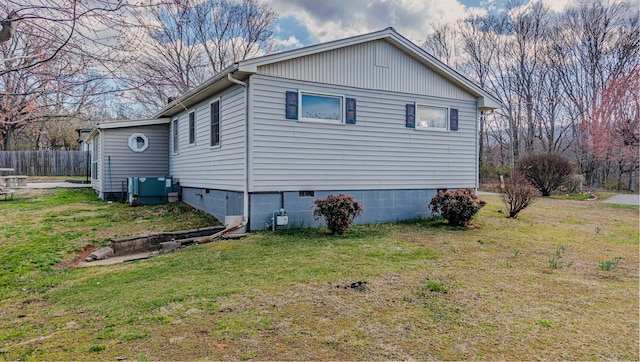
<point>457,207</point>
<point>338,212</point>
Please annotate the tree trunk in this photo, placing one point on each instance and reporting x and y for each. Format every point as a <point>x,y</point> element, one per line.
<point>632,180</point>
<point>530,127</point>
<point>7,139</point>
<point>594,177</point>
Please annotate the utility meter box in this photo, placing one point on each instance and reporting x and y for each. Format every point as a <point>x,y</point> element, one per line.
<point>282,220</point>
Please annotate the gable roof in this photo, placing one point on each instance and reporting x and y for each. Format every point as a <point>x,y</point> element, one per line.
<point>244,68</point>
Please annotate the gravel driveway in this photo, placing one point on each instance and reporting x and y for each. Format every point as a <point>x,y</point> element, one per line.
<point>624,199</point>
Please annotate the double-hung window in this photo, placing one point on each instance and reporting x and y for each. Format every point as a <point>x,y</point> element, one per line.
<point>214,108</point>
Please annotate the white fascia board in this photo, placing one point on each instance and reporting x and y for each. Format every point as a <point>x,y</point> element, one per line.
<point>251,65</point>
<point>94,132</point>
<point>178,105</point>
<point>132,123</point>
<point>486,101</point>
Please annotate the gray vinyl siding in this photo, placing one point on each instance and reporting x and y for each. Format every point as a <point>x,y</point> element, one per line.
<point>372,65</point>
<point>219,167</point>
<point>154,161</point>
<point>377,153</point>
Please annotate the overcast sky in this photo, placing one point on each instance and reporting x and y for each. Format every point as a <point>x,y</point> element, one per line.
<point>307,22</point>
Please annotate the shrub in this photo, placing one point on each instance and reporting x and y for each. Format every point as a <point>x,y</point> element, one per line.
<point>338,212</point>
<point>517,193</point>
<point>546,171</point>
<point>457,207</point>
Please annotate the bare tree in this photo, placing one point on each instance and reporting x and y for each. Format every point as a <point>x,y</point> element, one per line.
<point>594,42</point>
<point>77,27</point>
<point>477,37</point>
<point>38,87</point>
<point>57,57</point>
<point>187,42</point>
<point>528,25</point>
<point>442,43</point>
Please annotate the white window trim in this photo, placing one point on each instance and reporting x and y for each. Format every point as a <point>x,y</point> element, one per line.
<point>175,141</point>
<point>431,129</point>
<point>195,138</point>
<point>133,142</point>
<point>219,145</point>
<point>319,120</point>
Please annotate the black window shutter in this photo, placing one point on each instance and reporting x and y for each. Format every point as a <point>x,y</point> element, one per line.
<point>453,119</point>
<point>292,105</point>
<point>411,115</point>
<point>351,111</point>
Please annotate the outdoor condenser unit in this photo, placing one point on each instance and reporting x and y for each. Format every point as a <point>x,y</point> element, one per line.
<point>148,190</point>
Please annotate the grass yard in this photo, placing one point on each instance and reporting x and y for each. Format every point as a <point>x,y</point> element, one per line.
<point>558,283</point>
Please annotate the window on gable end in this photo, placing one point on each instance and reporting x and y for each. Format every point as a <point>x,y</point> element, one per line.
<point>321,107</point>
<point>432,118</point>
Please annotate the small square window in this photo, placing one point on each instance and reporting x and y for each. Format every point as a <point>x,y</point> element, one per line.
<point>432,118</point>
<point>320,107</point>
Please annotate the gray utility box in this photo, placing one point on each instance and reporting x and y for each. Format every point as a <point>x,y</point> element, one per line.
<point>149,190</point>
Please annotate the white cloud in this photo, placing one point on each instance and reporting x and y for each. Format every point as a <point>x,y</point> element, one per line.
<point>334,19</point>
<point>557,5</point>
<point>289,43</point>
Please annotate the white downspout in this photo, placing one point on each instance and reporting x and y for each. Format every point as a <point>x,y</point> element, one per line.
<point>245,206</point>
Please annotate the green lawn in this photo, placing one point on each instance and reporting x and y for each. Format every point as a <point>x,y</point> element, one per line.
<point>531,288</point>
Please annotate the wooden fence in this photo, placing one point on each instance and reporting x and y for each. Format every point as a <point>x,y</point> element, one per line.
<point>47,163</point>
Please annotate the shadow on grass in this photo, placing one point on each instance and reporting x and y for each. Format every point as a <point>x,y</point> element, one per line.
<point>434,223</point>
<point>363,231</point>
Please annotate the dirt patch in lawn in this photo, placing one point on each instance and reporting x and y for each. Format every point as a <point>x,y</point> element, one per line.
<point>79,258</point>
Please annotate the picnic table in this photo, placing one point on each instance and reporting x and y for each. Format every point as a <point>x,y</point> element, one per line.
<point>12,180</point>
<point>6,192</point>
